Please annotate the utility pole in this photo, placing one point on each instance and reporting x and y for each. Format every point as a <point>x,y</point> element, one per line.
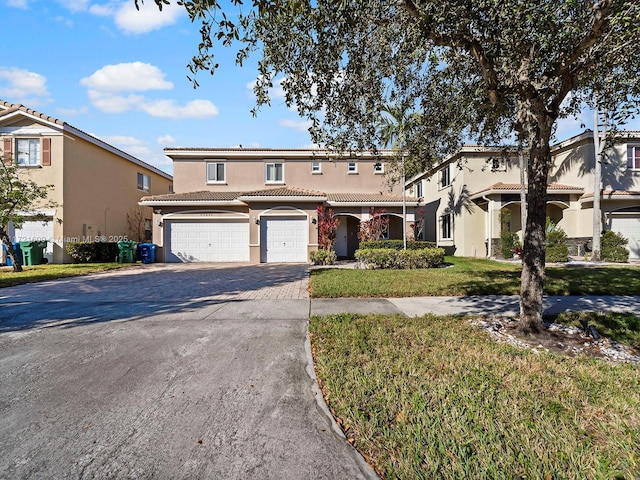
<point>599,140</point>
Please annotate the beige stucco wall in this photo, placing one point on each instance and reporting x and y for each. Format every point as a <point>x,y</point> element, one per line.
<point>243,175</point>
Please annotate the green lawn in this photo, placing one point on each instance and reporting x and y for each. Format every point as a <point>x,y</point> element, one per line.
<point>466,276</point>
<point>434,397</point>
<point>41,273</point>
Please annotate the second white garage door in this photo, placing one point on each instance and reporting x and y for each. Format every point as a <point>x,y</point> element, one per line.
<point>207,241</point>
<point>283,239</point>
<point>628,227</point>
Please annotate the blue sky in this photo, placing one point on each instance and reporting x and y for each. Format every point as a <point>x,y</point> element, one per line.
<point>120,74</point>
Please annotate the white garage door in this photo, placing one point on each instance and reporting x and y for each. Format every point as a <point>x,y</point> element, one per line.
<point>283,239</point>
<point>37,231</point>
<point>629,228</point>
<point>207,241</point>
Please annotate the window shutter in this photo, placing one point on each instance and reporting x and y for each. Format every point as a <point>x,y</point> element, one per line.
<point>8,142</point>
<point>46,152</point>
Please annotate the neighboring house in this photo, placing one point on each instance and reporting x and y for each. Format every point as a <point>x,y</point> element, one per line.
<point>95,185</point>
<point>259,205</point>
<point>466,193</point>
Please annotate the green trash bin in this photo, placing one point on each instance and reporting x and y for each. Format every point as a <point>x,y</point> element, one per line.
<point>33,252</point>
<point>127,251</point>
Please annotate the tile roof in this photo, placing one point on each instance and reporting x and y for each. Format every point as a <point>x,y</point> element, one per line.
<point>367,198</point>
<point>284,192</point>
<point>516,187</point>
<point>204,196</point>
<point>613,193</point>
<point>12,107</point>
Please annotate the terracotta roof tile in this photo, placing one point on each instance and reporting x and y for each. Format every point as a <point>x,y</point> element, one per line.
<point>614,193</point>
<point>284,192</point>
<point>367,198</point>
<point>204,196</point>
<point>516,187</point>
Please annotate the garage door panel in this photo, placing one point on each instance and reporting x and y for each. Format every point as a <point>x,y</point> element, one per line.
<point>284,239</point>
<point>208,241</point>
<point>629,227</point>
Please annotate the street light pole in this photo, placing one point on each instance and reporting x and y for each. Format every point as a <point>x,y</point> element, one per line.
<point>404,207</point>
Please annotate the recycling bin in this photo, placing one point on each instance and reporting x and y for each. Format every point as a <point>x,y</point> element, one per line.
<point>127,251</point>
<point>33,252</point>
<point>147,252</point>
<point>17,250</point>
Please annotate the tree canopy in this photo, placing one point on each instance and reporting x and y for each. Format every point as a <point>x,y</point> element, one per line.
<point>487,71</point>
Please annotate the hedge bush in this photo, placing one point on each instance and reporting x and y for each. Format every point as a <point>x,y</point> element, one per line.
<point>613,247</point>
<point>397,244</point>
<point>93,252</point>
<point>557,250</point>
<point>509,241</point>
<point>323,257</point>
<point>390,258</point>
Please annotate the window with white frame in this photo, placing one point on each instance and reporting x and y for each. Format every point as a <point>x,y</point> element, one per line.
<point>316,167</point>
<point>445,176</point>
<point>446,226</point>
<point>633,157</point>
<point>378,168</point>
<point>28,153</point>
<point>144,182</point>
<point>216,172</point>
<point>352,167</point>
<point>274,172</point>
<point>419,189</point>
<point>497,164</point>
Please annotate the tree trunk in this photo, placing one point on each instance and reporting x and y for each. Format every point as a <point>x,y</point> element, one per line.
<point>534,248</point>
<point>16,263</point>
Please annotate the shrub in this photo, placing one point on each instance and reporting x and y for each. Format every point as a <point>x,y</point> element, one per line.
<point>389,258</point>
<point>397,244</point>
<point>92,252</point>
<point>613,247</point>
<point>557,250</point>
<point>323,257</point>
<point>509,241</point>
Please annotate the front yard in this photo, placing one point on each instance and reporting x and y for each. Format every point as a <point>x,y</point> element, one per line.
<point>435,397</point>
<point>466,276</point>
<point>41,273</point>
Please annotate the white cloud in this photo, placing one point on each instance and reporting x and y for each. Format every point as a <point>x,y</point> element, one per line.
<point>64,21</point>
<point>169,109</point>
<point>148,18</point>
<point>302,125</point>
<point>135,76</point>
<point>105,10</point>
<point>70,112</point>
<point>74,5</point>
<point>111,103</point>
<point>17,4</point>
<point>166,140</point>
<point>22,86</point>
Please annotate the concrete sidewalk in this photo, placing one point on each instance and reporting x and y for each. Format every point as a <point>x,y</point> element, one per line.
<point>473,305</point>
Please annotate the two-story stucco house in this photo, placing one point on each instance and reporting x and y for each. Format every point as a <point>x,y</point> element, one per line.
<point>95,185</point>
<point>260,205</point>
<point>465,194</point>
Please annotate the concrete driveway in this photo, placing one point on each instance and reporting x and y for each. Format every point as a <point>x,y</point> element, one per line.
<point>165,371</point>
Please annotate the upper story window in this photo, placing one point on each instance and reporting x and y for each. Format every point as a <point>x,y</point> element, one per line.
<point>445,176</point>
<point>28,152</point>
<point>316,167</point>
<point>633,157</point>
<point>216,172</point>
<point>419,189</point>
<point>144,182</point>
<point>497,164</point>
<point>274,172</point>
<point>352,167</point>
<point>378,168</point>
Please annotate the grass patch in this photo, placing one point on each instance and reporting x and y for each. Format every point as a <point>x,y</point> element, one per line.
<point>41,273</point>
<point>434,397</point>
<point>621,327</point>
<point>469,276</point>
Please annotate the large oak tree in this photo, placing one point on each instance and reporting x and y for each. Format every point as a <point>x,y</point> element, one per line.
<point>490,71</point>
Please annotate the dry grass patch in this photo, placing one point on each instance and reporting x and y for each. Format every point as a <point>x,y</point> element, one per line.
<point>435,397</point>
